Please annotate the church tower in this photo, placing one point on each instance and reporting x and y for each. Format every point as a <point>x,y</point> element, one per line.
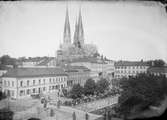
<point>79,32</point>
<point>80,29</point>
<point>67,32</point>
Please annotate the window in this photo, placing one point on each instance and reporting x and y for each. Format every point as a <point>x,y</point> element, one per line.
<point>50,80</point>
<point>33,90</point>
<point>39,81</point>
<point>44,81</point>
<point>28,91</point>
<point>33,82</point>
<point>12,92</point>
<point>21,83</point>
<point>21,92</point>
<point>28,82</point>
<point>12,83</point>
<point>8,83</point>
<point>4,82</point>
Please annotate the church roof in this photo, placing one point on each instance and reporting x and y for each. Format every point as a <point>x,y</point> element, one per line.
<point>89,59</point>
<point>75,68</point>
<point>45,62</point>
<point>34,72</point>
<point>131,63</point>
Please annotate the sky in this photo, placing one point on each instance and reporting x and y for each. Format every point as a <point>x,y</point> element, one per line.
<point>120,30</point>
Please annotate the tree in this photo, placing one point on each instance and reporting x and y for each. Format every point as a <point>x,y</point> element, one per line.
<point>96,54</point>
<point>7,60</point>
<point>141,91</point>
<point>156,63</point>
<point>89,87</point>
<point>76,91</point>
<point>6,114</point>
<point>102,85</point>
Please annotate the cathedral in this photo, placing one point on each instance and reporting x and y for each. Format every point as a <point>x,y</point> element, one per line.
<point>70,50</point>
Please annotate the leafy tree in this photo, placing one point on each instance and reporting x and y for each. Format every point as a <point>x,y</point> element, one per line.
<point>76,91</point>
<point>6,114</point>
<point>141,91</point>
<point>89,87</point>
<point>7,60</point>
<point>102,85</point>
<point>156,63</point>
<point>96,54</point>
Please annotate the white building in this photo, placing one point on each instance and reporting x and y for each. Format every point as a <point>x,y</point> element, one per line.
<point>95,65</point>
<point>24,82</point>
<point>158,70</point>
<point>77,75</point>
<point>128,68</point>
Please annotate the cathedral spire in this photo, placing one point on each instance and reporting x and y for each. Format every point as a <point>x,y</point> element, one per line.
<point>80,29</point>
<point>67,32</point>
<point>76,33</point>
<point>79,33</point>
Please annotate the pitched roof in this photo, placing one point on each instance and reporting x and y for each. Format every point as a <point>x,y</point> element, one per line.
<point>34,72</point>
<point>45,62</point>
<point>88,59</point>
<point>131,63</point>
<point>158,69</point>
<point>75,68</point>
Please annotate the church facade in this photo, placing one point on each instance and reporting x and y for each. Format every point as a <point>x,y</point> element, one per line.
<point>70,50</point>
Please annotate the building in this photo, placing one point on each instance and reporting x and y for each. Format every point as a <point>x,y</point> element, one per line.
<point>24,82</point>
<point>96,66</point>
<point>38,62</point>
<point>47,62</point>
<point>158,70</point>
<point>4,70</point>
<point>77,75</point>
<point>77,48</point>
<point>129,68</point>
<point>32,62</point>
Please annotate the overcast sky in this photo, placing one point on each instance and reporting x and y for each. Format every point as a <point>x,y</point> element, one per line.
<point>121,30</point>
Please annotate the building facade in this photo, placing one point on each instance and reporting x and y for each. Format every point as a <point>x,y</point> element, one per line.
<point>128,68</point>
<point>97,66</point>
<point>158,70</point>
<point>24,82</point>
<point>77,75</point>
